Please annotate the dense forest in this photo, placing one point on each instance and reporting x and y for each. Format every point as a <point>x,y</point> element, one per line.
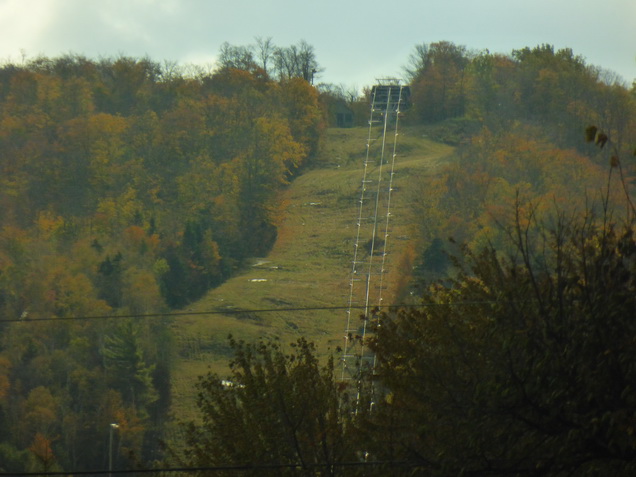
<point>131,188</point>
<point>127,188</point>
<point>519,123</point>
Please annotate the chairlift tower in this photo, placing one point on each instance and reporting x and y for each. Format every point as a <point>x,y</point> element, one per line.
<point>370,252</point>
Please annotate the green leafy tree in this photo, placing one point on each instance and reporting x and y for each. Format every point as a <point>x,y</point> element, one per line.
<point>12,459</point>
<point>276,408</point>
<point>126,84</point>
<point>109,281</point>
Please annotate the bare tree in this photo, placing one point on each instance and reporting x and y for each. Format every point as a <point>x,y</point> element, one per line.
<point>238,57</point>
<point>265,50</point>
<point>307,61</point>
<point>417,61</point>
<point>296,61</point>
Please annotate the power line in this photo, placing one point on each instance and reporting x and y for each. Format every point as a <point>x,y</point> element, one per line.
<point>174,314</point>
<point>236,311</point>
<point>221,468</point>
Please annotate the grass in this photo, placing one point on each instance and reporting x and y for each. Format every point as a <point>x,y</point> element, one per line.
<point>310,263</point>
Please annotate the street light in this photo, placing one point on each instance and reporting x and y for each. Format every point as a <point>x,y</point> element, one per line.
<point>113,426</point>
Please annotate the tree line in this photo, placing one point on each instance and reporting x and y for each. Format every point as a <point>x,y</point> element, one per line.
<point>282,63</point>
<point>518,122</point>
<point>555,89</point>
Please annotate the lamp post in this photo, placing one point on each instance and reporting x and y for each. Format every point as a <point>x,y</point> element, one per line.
<point>113,426</point>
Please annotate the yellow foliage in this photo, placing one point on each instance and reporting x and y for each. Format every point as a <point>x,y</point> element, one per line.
<point>48,90</point>
<point>40,409</point>
<point>142,294</point>
<point>135,235</point>
<point>277,146</point>
<point>118,211</point>
<point>48,224</point>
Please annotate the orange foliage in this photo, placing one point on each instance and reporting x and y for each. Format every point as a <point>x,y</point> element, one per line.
<point>41,449</point>
<point>135,235</point>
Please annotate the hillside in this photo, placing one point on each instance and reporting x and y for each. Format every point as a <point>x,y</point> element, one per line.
<point>129,189</point>
<point>308,265</point>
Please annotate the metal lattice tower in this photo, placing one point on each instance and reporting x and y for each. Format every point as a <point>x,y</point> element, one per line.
<point>370,250</point>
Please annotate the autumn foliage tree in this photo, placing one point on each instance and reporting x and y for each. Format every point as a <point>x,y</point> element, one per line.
<point>523,363</point>
<point>549,88</point>
<point>438,76</point>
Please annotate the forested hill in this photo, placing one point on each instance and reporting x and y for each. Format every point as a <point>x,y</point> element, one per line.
<point>131,188</point>
<point>125,188</point>
<point>519,360</point>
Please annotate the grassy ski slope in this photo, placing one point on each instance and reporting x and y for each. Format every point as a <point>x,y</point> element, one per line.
<point>310,263</point>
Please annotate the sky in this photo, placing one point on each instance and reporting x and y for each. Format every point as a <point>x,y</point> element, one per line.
<point>355,41</point>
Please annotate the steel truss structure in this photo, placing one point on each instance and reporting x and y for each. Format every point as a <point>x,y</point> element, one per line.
<point>370,251</point>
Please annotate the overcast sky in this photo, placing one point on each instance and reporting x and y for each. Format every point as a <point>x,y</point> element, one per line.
<point>355,41</point>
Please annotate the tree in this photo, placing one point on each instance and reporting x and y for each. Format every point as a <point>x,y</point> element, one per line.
<point>473,194</point>
<point>296,61</point>
<point>264,52</point>
<point>524,364</point>
<point>276,408</point>
<point>284,63</point>
<point>127,366</point>
<point>41,450</point>
<point>437,72</point>
<point>490,89</point>
<point>304,114</point>
<point>417,61</point>
<point>127,84</point>
<point>236,57</point>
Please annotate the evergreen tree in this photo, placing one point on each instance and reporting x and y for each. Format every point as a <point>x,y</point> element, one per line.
<point>127,367</point>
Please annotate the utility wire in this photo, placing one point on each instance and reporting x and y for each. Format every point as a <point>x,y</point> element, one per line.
<point>236,311</point>
<point>220,468</point>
